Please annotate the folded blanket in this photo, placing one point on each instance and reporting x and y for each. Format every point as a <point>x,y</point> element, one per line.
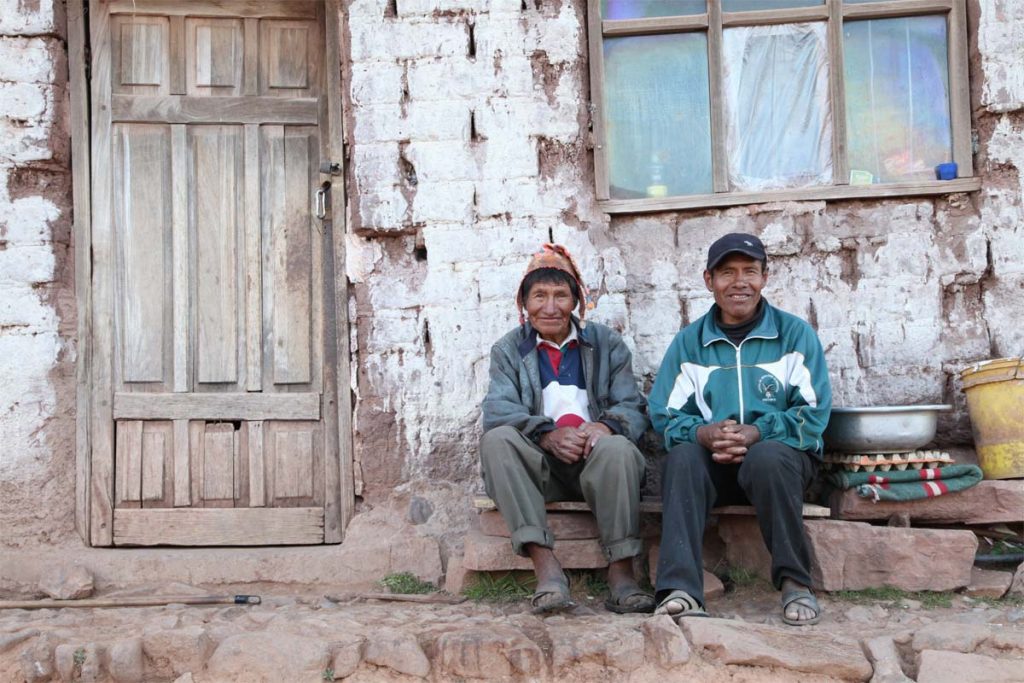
<point>908,484</point>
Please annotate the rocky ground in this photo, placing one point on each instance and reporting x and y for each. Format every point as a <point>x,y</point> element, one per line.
<point>300,635</point>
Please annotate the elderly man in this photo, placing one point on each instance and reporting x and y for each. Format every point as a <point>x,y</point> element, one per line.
<point>741,400</point>
<point>561,419</point>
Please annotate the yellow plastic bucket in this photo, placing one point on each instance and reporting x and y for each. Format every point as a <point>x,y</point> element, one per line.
<point>995,401</point>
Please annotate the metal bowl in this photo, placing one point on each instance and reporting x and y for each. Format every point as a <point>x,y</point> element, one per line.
<point>882,429</point>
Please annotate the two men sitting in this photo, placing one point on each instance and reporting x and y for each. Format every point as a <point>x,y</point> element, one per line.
<point>740,401</point>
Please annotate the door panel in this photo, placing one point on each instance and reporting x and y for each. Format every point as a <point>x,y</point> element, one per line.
<point>214,50</point>
<point>288,183</point>
<point>215,222</point>
<point>212,117</point>
<point>140,46</point>
<point>289,65</point>
<point>294,463</point>
<point>142,219</point>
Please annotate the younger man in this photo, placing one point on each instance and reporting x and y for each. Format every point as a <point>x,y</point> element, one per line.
<point>741,400</point>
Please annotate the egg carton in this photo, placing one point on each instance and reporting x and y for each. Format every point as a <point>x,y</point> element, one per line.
<point>885,462</point>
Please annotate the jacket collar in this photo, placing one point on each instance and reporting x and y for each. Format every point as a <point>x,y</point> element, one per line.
<point>710,332</point>
<point>529,337</point>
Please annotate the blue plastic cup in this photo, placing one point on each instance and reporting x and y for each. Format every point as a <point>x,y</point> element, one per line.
<point>946,171</point>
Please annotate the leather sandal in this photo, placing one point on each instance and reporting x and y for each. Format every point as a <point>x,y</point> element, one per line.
<point>679,604</point>
<point>803,598</point>
<point>632,600</point>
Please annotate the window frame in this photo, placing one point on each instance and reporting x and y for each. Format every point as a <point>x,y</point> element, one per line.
<point>834,13</point>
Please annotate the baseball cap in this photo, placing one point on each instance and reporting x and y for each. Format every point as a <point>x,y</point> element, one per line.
<point>748,245</point>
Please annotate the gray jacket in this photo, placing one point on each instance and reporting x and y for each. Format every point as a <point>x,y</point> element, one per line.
<point>515,396</point>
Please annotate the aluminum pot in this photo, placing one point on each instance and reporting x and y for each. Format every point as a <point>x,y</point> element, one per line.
<point>882,429</point>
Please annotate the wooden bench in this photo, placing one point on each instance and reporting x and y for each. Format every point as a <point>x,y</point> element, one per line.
<point>574,527</point>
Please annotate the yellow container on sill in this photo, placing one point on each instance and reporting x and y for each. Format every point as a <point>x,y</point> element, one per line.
<point>995,401</point>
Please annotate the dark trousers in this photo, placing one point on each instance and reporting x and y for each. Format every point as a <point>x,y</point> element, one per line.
<point>772,478</point>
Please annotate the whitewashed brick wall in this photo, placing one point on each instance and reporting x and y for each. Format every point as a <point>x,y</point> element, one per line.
<point>36,304</point>
<point>469,141</point>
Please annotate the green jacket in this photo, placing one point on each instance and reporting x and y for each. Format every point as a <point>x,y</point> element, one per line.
<point>515,396</point>
<point>781,385</point>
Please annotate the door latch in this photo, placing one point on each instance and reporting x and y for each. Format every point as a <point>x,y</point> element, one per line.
<point>321,201</point>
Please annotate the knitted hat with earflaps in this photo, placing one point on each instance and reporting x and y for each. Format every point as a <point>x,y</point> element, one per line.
<point>558,257</point>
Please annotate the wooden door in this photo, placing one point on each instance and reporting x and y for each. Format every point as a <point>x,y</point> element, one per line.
<point>212,278</point>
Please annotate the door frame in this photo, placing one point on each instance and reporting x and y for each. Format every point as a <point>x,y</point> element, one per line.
<point>94,424</point>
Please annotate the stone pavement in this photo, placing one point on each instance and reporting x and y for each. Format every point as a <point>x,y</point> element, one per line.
<point>299,635</point>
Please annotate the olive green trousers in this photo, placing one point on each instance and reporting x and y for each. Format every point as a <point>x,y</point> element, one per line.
<point>520,477</point>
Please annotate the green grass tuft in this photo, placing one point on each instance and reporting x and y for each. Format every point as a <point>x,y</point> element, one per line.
<point>406,583</point>
<point>740,576</point>
<point>928,599</point>
<point>505,588</point>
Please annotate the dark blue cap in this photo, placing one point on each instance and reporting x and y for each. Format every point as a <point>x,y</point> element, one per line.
<point>735,242</point>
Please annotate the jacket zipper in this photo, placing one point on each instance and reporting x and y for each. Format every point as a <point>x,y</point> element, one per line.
<point>739,380</point>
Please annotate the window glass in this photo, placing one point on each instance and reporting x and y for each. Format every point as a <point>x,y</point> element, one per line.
<point>638,9</point>
<point>754,5</point>
<point>779,122</point>
<point>657,115</point>
<point>897,98</point>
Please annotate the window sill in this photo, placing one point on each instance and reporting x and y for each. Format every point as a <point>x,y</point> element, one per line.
<point>707,201</point>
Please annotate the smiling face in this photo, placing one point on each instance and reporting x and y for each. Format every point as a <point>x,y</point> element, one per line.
<point>549,309</point>
<point>736,282</point>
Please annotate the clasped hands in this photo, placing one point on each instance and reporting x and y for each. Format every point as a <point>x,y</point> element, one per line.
<point>571,444</point>
<point>727,440</point>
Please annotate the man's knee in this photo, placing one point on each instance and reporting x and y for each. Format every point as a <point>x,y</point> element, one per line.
<point>497,437</point>
<point>616,451</point>
<point>496,445</point>
<point>685,460</point>
<point>770,461</point>
<point>614,446</point>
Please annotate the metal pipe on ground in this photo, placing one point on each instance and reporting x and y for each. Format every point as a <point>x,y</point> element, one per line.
<point>134,601</point>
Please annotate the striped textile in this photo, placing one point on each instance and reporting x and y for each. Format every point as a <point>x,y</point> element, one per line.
<point>908,484</point>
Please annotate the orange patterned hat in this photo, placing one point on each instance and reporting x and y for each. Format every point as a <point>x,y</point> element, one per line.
<point>558,257</point>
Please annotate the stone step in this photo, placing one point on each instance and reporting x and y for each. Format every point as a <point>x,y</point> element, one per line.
<point>566,526</point>
<point>494,553</point>
<point>652,504</point>
<point>989,502</point>
<point>857,555</point>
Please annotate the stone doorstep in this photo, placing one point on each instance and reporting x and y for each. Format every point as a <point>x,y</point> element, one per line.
<point>857,555</point>
<point>119,568</point>
<point>989,502</point>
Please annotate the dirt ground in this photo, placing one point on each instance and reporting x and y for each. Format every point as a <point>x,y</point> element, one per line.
<point>298,634</point>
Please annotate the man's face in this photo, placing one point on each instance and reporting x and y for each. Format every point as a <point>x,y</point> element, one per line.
<point>736,282</point>
<point>549,308</point>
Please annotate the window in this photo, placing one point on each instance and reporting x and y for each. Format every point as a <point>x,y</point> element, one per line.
<point>723,102</point>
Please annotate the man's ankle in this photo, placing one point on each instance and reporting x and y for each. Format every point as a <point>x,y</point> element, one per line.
<point>545,564</point>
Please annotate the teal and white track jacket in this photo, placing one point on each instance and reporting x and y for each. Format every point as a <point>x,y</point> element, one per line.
<point>776,380</point>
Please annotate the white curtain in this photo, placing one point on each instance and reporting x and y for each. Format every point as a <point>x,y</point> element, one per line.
<point>778,109</point>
